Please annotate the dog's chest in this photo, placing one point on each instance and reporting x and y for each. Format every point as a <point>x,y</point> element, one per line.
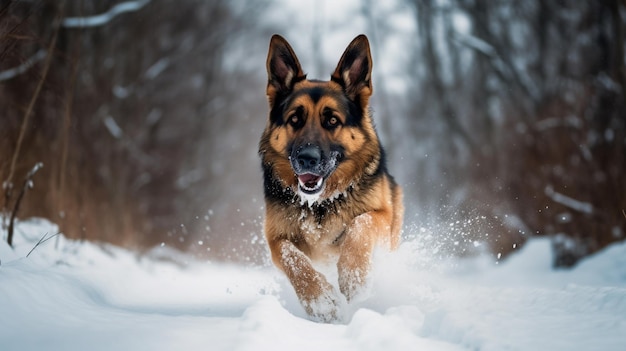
<point>320,231</point>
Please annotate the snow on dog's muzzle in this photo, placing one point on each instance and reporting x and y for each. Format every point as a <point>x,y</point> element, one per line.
<point>312,167</point>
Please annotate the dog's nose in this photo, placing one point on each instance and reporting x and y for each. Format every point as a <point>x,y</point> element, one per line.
<point>309,157</point>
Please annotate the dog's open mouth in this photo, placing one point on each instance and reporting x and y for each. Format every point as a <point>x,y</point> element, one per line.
<point>310,183</point>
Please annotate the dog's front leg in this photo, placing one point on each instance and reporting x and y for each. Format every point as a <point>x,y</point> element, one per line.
<point>318,297</point>
<point>356,251</point>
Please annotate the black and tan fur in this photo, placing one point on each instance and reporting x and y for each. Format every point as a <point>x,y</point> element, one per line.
<point>321,132</point>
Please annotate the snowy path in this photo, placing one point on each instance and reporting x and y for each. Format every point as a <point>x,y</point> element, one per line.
<point>89,297</point>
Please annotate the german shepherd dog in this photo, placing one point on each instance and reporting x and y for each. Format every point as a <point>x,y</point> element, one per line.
<point>328,195</point>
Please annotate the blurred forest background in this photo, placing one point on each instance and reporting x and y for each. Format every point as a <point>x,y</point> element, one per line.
<point>502,119</point>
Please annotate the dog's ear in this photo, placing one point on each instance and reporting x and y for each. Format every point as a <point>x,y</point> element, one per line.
<point>283,68</point>
<point>354,70</point>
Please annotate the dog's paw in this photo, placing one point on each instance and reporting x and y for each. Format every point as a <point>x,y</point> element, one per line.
<point>354,285</point>
<point>326,307</point>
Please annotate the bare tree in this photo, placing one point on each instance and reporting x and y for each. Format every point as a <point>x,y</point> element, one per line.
<point>137,108</point>
<point>536,108</point>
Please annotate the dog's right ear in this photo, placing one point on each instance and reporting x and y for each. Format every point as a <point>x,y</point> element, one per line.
<point>283,68</point>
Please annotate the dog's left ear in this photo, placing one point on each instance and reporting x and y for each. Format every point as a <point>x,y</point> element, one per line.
<point>354,70</point>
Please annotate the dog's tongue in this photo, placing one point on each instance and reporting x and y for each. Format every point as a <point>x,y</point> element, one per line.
<point>309,180</point>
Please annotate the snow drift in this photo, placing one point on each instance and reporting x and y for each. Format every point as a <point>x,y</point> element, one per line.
<point>69,295</point>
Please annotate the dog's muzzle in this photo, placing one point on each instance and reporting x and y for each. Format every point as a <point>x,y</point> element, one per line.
<point>312,167</point>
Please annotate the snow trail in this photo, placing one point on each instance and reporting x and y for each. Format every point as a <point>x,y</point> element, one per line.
<point>94,296</point>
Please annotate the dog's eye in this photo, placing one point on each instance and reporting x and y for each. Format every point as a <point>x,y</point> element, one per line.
<point>332,122</point>
<point>295,120</point>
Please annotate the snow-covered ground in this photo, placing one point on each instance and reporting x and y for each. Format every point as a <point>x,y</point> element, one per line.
<point>68,295</point>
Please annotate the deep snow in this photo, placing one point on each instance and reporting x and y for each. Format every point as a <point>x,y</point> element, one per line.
<point>69,295</point>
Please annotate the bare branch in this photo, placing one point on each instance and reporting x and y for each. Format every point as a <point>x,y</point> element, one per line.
<point>41,241</point>
<point>31,106</point>
<point>475,43</point>
<point>16,71</point>
<point>580,206</point>
<point>7,185</point>
<point>28,184</point>
<point>113,128</point>
<point>75,22</point>
<point>104,18</point>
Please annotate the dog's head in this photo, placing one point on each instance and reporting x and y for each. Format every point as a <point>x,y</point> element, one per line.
<point>319,139</point>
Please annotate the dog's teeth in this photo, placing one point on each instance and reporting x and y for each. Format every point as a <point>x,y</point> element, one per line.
<point>311,183</point>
